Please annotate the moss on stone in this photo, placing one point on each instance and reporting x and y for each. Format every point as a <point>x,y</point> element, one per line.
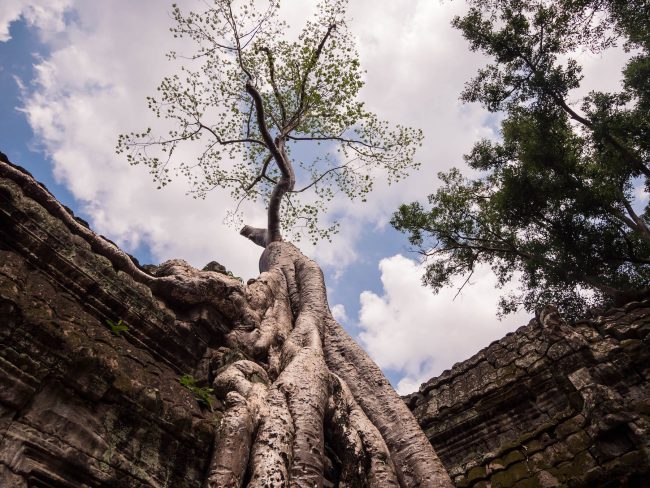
<point>513,456</point>
<point>578,442</point>
<point>570,426</point>
<point>575,468</point>
<point>510,476</point>
<point>476,473</point>
<point>527,483</point>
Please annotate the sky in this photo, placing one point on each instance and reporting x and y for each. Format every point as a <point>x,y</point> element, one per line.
<point>74,74</point>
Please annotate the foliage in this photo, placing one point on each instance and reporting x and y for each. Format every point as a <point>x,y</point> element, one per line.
<point>554,203</point>
<point>230,273</point>
<point>203,394</point>
<point>117,328</point>
<point>251,95</point>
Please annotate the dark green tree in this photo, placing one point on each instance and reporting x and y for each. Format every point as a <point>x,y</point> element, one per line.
<point>555,201</point>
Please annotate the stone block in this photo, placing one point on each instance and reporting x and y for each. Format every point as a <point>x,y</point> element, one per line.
<point>578,442</point>
<point>511,475</point>
<point>570,426</point>
<point>577,467</point>
<point>547,480</point>
<point>512,457</point>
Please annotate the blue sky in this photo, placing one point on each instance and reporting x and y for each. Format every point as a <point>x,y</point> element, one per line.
<point>17,140</point>
<point>74,74</point>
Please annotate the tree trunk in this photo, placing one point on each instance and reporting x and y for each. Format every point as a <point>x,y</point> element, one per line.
<point>305,405</point>
<point>324,414</point>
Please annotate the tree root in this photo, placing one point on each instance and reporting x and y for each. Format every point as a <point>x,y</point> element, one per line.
<point>313,386</point>
<point>308,400</point>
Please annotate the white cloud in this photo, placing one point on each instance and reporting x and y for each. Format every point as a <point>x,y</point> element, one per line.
<point>91,88</point>
<point>47,15</point>
<point>111,55</point>
<point>419,334</point>
<point>339,313</point>
<point>416,68</point>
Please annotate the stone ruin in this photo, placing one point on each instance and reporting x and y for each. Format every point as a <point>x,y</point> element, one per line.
<point>86,403</point>
<point>551,404</point>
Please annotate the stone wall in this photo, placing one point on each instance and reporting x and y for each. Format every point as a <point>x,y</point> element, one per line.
<point>82,403</point>
<point>552,404</point>
<point>85,404</point>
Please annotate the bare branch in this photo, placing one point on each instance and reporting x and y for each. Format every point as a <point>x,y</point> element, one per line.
<point>295,119</point>
<point>334,138</point>
<point>331,170</point>
<point>266,135</point>
<point>233,25</point>
<point>276,91</point>
<point>261,175</point>
<point>460,289</point>
<point>230,141</point>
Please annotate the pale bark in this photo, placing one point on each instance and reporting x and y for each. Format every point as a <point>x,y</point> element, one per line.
<point>328,390</point>
<point>309,408</point>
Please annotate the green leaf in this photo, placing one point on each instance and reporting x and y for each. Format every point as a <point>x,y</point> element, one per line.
<point>202,394</point>
<point>117,328</point>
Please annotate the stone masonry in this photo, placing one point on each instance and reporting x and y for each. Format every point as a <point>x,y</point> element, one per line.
<point>87,400</point>
<point>552,404</point>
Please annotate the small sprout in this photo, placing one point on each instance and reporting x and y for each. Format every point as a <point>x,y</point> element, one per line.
<point>117,328</point>
<point>229,273</point>
<point>202,394</point>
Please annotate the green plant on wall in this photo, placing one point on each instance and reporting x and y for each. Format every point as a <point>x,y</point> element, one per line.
<point>203,394</point>
<point>117,328</point>
<point>229,273</point>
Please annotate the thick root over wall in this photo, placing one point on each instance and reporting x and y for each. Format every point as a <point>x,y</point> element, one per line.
<point>305,405</point>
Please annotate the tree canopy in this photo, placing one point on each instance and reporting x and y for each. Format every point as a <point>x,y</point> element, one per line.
<point>560,201</point>
<point>251,96</point>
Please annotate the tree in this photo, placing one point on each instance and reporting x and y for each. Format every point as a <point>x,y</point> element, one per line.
<point>554,202</point>
<point>305,405</point>
<point>250,98</point>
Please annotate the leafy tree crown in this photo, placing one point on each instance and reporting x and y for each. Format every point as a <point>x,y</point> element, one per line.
<point>268,113</point>
<point>554,203</point>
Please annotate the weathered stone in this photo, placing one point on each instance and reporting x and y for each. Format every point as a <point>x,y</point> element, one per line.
<point>215,266</point>
<point>527,483</point>
<point>512,457</point>
<point>578,442</point>
<point>476,473</point>
<point>559,400</point>
<point>510,476</point>
<point>547,480</point>
<point>570,426</point>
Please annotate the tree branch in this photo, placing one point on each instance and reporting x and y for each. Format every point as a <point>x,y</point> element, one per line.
<point>233,25</point>
<point>334,138</point>
<point>627,153</point>
<point>641,226</point>
<point>295,119</point>
<point>321,177</point>
<point>264,130</point>
<point>276,91</point>
<point>287,180</point>
<point>261,175</point>
<point>229,141</point>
